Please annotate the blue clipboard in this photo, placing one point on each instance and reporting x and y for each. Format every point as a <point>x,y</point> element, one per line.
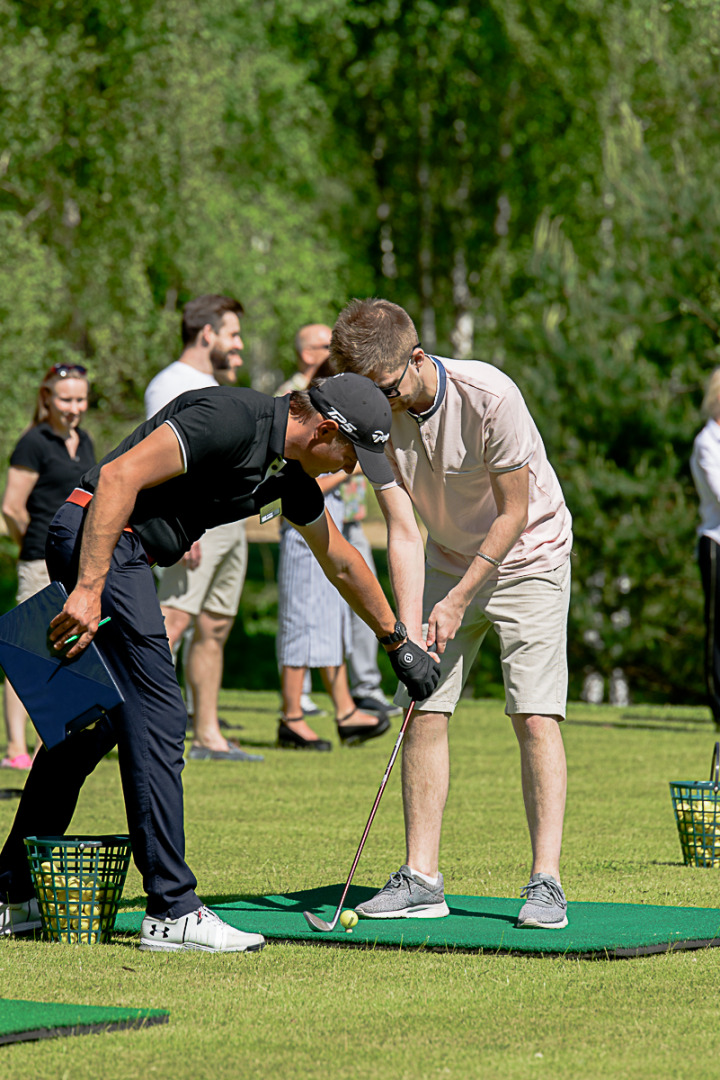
<point>61,696</point>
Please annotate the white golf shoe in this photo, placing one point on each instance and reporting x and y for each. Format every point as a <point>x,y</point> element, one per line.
<point>202,930</point>
<point>19,918</point>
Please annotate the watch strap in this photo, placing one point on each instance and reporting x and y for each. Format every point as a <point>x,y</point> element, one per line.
<point>398,634</point>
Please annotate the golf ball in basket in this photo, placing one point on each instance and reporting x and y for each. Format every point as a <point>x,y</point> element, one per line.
<point>348,919</point>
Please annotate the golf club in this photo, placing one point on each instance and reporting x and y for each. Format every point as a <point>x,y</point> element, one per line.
<point>320,924</point>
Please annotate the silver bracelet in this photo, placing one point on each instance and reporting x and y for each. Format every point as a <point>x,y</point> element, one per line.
<point>489,558</point>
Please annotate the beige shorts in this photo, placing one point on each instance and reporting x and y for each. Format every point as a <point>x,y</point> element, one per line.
<point>216,584</point>
<point>529,616</point>
<point>32,577</point>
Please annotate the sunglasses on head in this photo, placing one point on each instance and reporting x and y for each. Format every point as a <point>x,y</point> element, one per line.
<point>64,370</point>
<point>393,391</point>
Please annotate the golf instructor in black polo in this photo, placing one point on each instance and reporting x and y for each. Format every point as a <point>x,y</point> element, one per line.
<point>210,456</point>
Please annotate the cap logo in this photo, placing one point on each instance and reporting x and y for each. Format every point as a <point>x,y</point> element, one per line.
<point>333,414</point>
<point>380,436</point>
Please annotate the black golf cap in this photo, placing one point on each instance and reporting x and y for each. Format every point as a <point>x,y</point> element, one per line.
<point>364,416</point>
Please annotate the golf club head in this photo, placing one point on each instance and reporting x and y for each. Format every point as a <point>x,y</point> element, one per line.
<point>319,924</point>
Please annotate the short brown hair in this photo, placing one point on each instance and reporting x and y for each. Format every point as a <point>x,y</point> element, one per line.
<point>372,337</point>
<point>301,406</point>
<point>203,310</point>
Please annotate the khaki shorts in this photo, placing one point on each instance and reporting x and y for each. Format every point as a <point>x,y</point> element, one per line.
<point>216,584</point>
<point>32,577</point>
<point>529,616</point>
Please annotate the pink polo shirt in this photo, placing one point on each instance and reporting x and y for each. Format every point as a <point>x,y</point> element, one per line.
<point>478,425</point>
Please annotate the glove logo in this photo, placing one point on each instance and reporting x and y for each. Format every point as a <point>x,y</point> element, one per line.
<point>408,658</point>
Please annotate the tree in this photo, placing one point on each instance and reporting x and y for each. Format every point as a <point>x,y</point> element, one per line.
<point>611,334</point>
<point>152,152</point>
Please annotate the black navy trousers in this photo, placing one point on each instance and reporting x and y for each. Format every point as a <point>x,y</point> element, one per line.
<point>148,729</point>
<point>709,560</point>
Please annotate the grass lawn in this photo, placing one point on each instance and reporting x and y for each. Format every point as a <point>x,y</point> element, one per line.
<point>294,822</point>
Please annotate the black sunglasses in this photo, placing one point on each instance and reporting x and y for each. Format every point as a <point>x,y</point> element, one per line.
<point>63,370</point>
<point>391,392</point>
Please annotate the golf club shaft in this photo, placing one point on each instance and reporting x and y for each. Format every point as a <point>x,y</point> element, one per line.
<point>383,783</point>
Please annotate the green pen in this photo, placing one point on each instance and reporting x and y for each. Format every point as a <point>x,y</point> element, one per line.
<point>76,636</point>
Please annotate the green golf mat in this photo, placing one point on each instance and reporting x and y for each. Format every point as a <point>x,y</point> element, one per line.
<point>605,931</point>
<point>23,1021</point>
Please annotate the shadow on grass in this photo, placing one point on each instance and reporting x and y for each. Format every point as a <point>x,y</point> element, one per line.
<point>320,901</point>
<point>250,708</point>
<point>681,727</point>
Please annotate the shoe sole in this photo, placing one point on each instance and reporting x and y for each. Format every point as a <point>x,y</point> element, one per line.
<point>282,745</point>
<point>152,946</point>
<point>355,740</point>
<point>428,911</point>
<point>537,925</point>
<point>250,757</point>
<point>21,928</point>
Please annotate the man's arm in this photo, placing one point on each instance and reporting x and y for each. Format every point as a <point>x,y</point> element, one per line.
<point>153,461</point>
<point>406,557</point>
<point>511,498</point>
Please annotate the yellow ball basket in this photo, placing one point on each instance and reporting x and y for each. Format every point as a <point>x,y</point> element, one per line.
<point>78,884</point>
<point>697,813</point>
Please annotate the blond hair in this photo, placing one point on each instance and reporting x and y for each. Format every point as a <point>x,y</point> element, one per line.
<point>56,374</point>
<point>711,401</point>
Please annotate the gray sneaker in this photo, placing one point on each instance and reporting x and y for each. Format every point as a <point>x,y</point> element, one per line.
<point>406,897</point>
<point>545,904</point>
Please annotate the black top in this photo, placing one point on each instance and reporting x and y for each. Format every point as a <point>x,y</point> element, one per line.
<point>43,450</point>
<point>233,442</point>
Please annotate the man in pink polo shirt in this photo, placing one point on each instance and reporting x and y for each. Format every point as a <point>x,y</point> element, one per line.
<point>469,459</point>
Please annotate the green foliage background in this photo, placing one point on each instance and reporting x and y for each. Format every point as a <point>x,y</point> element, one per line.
<point>533,179</point>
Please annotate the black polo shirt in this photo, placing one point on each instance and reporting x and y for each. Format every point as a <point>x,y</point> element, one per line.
<point>233,442</point>
<point>44,451</point>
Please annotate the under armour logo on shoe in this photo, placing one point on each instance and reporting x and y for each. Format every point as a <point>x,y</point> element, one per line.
<point>155,929</point>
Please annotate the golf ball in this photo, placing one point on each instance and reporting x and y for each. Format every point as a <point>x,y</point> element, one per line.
<point>348,919</point>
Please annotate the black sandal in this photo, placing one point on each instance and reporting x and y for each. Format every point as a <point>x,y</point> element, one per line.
<point>351,734</point>
<point>288,739</point>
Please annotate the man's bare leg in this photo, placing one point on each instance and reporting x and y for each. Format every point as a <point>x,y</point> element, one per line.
<point>425,785</point>
<point>204,671</point>
<point>176,623</point>
<point>544,785</point>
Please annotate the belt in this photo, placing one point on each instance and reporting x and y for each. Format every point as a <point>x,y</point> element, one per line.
<point>80,497</point>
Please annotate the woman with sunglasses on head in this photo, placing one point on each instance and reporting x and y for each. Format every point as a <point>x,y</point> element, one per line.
<point>45,466</point>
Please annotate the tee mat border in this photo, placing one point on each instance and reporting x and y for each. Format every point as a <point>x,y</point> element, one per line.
<point>25,1021</point>
<point>475,924</point>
